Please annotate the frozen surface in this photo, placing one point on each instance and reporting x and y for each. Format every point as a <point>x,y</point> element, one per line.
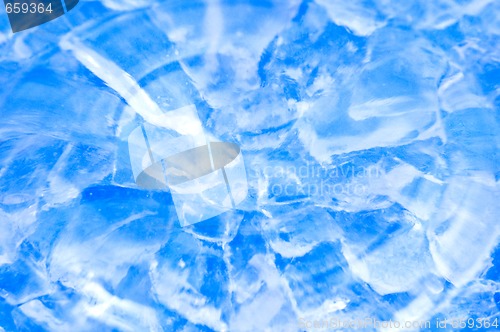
<point>370,134</point>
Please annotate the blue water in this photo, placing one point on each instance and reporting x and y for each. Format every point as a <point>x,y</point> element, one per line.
<point>370,135</point>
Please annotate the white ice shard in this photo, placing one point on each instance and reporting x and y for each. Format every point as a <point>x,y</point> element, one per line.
<point>354,15</point>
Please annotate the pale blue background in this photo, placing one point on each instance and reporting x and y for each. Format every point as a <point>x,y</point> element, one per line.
<point>370,132</point>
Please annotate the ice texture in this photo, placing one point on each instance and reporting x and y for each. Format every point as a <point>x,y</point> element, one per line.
<point>370,134</point>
